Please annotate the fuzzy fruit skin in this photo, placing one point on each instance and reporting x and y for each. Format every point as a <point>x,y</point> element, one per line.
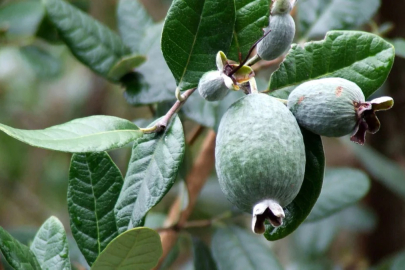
<point>279,40</point>
<point>260,153</point>
<point>326,106</point>
<point>212,87</point>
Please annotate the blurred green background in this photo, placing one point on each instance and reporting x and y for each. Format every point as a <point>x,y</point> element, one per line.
<point>42,84</point>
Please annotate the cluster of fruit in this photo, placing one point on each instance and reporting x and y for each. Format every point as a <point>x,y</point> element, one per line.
<point>260,152</point>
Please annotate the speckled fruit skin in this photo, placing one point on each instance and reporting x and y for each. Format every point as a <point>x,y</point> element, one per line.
<point>279,40</point>
<point>326,106</point>
<point>212,87</point>
<point>260,153</point>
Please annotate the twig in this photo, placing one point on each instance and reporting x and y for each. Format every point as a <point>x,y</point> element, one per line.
<point>162,125</point>
<point>196,132</point>
<point>196,179</point>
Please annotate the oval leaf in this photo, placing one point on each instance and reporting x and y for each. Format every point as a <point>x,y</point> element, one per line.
<point>138,249</point>
<point>341,188</point>
<point>125,66</point>
<point>16,254</point>
<point>299,209</point>
<point>315,18</point>
<point>152,170</point>
<point>50,246</point>
<point>94,44</point>
<point>95,183</point>
<point>251,17</point>
<point>152,82</point>
<point>202,256</point>
<point>89,134</point>
<point>360,57</point>
<point>194,32</point>
<point>133,23</point>
<point>237,249</point>
<point>42,62</point>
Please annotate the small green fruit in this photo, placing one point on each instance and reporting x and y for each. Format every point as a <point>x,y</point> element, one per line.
<point>282,28</point>
<point>260,158</point>
<point>335,107</point>
<point>212,86</point>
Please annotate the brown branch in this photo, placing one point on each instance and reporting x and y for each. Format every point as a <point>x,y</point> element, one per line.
<point>195,180</point>
<point>195,133</point>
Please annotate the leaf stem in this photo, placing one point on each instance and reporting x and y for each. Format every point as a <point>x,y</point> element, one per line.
<point>253,60</point>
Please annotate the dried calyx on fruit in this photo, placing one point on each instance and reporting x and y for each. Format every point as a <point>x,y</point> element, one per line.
<point>282,28</point>
<point>257,136</point>
<point>335,107</point>
<point>215,85</point>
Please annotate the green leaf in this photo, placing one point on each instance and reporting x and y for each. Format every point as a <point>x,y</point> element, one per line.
<point>152,82</point>
<point>17,255</point>
<point>297,211</point>
<point>21,19</point>
<point>133,23</point>
<point>95,183</point>
<point>138,249</point>
<point>315,238</point>
<point>94,44</point>
<point>202,256</point>
<point>316,17</point>
<point>89,134</point>
<point>399,44</point>
<point>42,62</point>
<point>194,32</point>
<point>381,168</point>
<point>207,113</point>
<point>50,246</point>
<point>395,262</point>
<point>125,66</point>
<point>251,17</point>
<point>341,188</point>
<point>234,248</point>
<point>152,170</point>
<point>360,57</point>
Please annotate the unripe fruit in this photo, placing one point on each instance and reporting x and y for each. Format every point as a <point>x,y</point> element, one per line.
<point>326,106</point>
<point>260,158</point>
<point>335,107</point>
<point>282,28</point>
<point>212,86</point>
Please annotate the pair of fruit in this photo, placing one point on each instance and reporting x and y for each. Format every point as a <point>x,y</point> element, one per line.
<point>260,152</point>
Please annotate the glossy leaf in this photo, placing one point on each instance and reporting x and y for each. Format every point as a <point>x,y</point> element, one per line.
<point>194,32</point>
<point>341,188</point>
<point>297,211</point>
<point>251,17</point>
<point>21,19</point>
<point>133,23</point>
<point>138,249</point>
<point>50,246</point>
<point>153,81</point>
<point>16,254</point>
<point>42,62</point>
<point>207,113</point>
<point>399,44</point>
<point>90,134</point>
<point>381,168</point>
<point>151,173</point>
<point>316,17</point>
<point>202,256</point>
<point>94,44</point>
<point>360,57</point>
<point>95,183</point>
<point>125,66</point>
<point>237,249</point>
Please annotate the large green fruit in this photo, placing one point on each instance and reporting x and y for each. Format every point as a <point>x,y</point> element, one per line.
<point>282,28</point>
<point>260,158</point>
<point>327,106</point>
